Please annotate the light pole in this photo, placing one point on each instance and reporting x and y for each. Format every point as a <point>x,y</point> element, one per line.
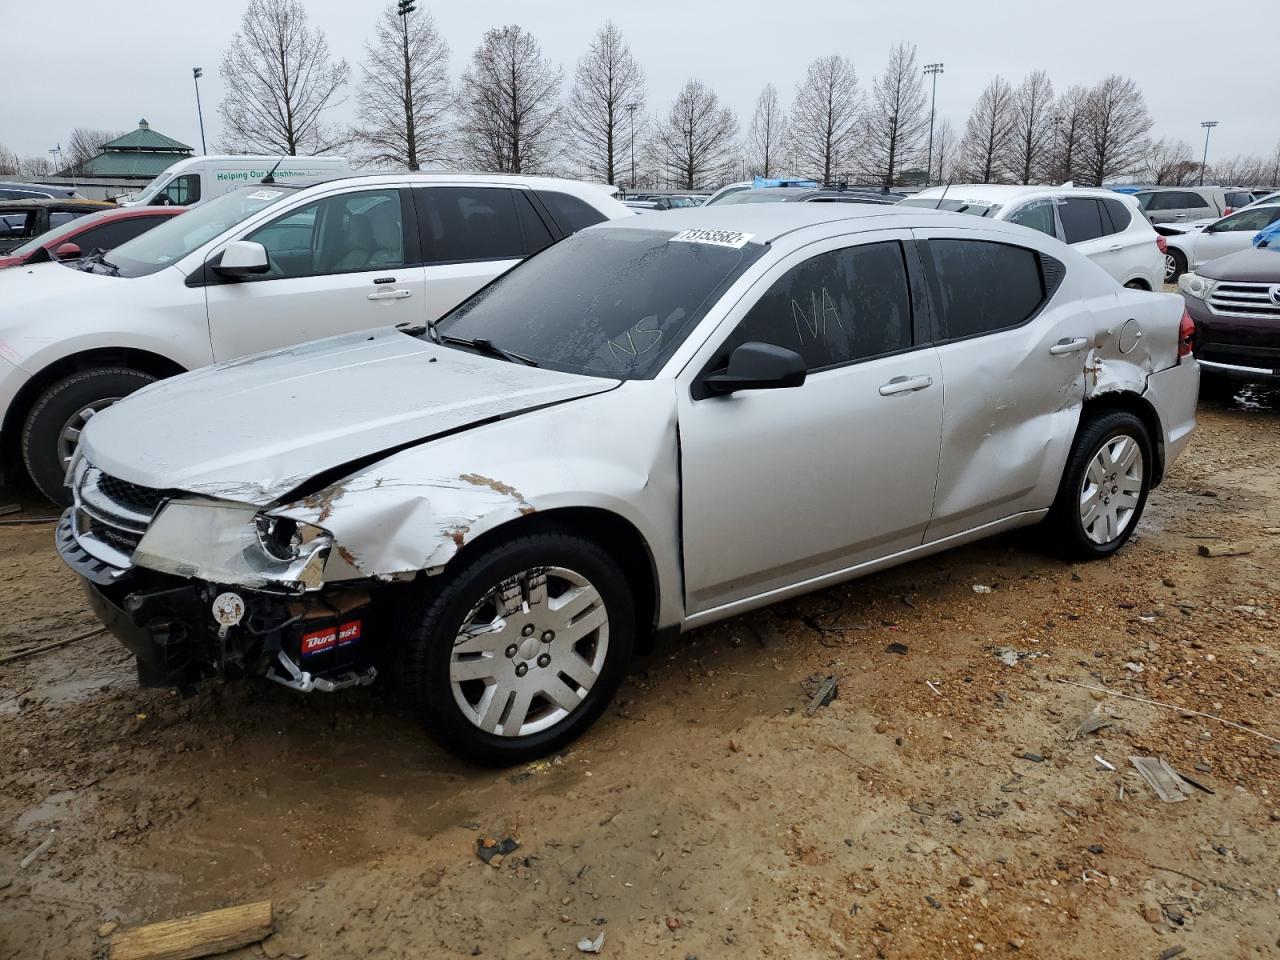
<point>631,109</point>
<point>404,8</point>
<point>1208,125</point>
<point>931,70</point>
<point>55,152</point>
<point>196,74</point>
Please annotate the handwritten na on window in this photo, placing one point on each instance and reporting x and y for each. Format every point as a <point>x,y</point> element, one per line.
<point>822,310</point>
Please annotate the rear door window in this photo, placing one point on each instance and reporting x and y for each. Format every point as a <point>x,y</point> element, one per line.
<point>1193,201</point>
<point>462,224</point>
<point>836,307</point>
<point>982,286</point>
<point>1081,219</point>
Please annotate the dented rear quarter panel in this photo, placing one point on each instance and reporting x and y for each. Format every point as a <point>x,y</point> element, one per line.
<point>417,509</point>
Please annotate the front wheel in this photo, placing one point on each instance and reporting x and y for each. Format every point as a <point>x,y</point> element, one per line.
<point>520,650</point>
<point>1175,265</point>
<point>1104,487</point>
<point>52,427</point>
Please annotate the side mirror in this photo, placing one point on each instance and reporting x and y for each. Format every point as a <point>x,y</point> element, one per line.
<point>758,366</point>
<point>243,259</point>
<point>68,251</point>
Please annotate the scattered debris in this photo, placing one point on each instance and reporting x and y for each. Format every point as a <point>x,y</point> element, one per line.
<point>1161,777</point>
<point>1093,721</point>
<point>487,849</point>
<point>827,691</point>
<point>899,648</point>
<point>1229,548</point>
<point>1171,706</point>
<point>32,651</point>
<point>1195,783</point>
<point>931,686</point>
<point>1103,764</point>
<point>201,935</point>
<point>1011,657</point>
<point>587,945</point>
<point>1033,757</point>
<point>1134,667</point>
<point>983,588</point>
<point>38,852</point>
<point>1171,952</point>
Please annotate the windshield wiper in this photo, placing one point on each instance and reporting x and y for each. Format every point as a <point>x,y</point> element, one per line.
<point>99,256</point>
<point>486,346</point>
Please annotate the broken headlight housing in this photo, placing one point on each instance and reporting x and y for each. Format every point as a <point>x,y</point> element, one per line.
<point>1196,286</point>
<point>234,544</point>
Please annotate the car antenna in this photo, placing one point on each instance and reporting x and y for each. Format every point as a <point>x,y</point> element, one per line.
<point>943,197</point>
<point>270,177</point>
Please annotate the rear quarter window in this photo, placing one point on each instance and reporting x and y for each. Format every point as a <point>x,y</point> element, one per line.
<point>570,212</point>
<point>1118,214</point>
<point>982,286</point>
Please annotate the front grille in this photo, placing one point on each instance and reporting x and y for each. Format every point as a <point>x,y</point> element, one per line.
<point>111,515</point>
<point>130,495</point>
<point>1242,299</point>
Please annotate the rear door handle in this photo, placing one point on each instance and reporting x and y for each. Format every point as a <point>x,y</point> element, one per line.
<point>1115,248</point>
<point>905,385</point>
<point>1069,345</point>
<point>391,295</point>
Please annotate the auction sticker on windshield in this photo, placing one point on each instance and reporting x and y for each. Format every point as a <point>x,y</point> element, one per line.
<point>265,194</point>
<point>721,238</point>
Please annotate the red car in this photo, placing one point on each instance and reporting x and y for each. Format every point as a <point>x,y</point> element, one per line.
<point>83,235</point>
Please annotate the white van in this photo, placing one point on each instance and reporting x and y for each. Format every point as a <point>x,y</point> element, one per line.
<point>197,179</point>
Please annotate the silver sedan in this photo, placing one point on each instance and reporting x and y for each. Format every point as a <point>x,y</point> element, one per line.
<point>650,426</point>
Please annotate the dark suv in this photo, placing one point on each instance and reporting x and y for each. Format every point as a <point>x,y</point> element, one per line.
<point>1235,303</point>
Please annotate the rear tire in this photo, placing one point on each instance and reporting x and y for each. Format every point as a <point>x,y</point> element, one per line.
<point>52,425</point>
<point>457,668</point>
<point>1104,487</point>
<point>1175,265</point>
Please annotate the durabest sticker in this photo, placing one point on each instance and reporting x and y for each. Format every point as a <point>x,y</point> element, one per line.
<point>720,238</point>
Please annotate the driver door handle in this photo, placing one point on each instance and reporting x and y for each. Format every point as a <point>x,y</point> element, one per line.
<point>905,385</point>
<point>391,294</point>
<point>1115,248</point>
<point>1069,345</point>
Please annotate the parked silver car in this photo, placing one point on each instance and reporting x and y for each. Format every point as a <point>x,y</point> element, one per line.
<point>1178,204</point>
<point>655,424</point>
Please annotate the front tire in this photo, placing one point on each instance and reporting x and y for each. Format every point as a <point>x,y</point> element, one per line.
<point>1104,487</point>
<point>52,427</point>
<point>520,649</point>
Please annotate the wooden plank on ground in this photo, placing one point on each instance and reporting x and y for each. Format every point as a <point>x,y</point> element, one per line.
<point>199,936</point>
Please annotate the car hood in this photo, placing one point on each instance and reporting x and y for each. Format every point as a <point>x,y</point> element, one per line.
<point>38,283</point>
<point>1251,266</point>
<point>255,428</point>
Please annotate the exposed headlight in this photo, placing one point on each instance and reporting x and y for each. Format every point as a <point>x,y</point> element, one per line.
<point>1196,286</point>
<point>285,539</point>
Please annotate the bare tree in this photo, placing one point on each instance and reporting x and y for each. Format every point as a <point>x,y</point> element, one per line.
<point>9,162</point>
<point>1068,134</point>
<point>945,148</point>
<point>987,133</point>
<point>1168,164</point>
<point>404,94</point>
<point>86,143</point>
<point>35,167</point>
<point>607,83</point>
<point>1030,146</point>
<point>766,134</point>
<point>509,104</point>
<point>694,144</point>
<point>1115,129</point>
<point>280,80</point>
<point>895,122</point>
<point>824,118</point>
<point>1242,170</point>
<point>1272,168</point>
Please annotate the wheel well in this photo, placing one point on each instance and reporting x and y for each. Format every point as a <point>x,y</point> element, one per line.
<point>1141,408</point>
<point>152,363</point>
<point>623,541</point>
<point>1138,284</point>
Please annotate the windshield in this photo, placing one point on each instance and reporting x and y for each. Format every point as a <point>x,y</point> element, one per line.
<point>979,208</point>
<point>51,237</point>
<point>604,302</point>
<point>172,240</point>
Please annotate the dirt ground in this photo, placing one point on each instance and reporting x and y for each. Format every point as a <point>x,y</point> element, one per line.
<point>937,808</point>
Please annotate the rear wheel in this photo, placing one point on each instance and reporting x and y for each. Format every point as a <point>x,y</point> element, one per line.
<point>1104,487</point>
<point>520,650</point>
<point>1175,265</point>
<point>52,427</point>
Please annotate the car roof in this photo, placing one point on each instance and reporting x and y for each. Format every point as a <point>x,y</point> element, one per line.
<point>1004,193</point>
<point>767,222</point>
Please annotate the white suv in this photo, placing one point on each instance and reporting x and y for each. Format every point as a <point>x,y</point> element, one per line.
<point>262,267</point>
<point>1107,227</point>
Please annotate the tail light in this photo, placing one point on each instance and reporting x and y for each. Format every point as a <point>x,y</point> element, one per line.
<point>1186,332</point>
<point>1228,211</point>
<point>1162,245</point>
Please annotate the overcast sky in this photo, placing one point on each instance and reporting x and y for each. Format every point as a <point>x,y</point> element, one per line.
<point>106,65</point>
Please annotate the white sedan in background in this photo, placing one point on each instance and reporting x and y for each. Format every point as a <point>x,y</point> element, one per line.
<point>1105,226</point>
<point>1186,249</point>
<point>658,423</point>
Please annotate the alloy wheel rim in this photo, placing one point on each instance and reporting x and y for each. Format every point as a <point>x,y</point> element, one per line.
<point>1111,490</point>
<point>1170,267</point>
<point>69,435</point>
<point>529,652</point>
